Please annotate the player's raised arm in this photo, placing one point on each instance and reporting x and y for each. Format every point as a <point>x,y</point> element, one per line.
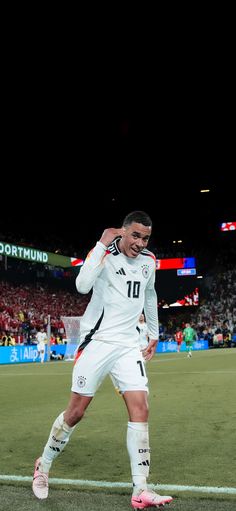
<point>94,262</point>
<point>110,234</point>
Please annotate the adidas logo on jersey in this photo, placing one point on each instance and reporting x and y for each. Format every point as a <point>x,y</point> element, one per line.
<point>121,271</point>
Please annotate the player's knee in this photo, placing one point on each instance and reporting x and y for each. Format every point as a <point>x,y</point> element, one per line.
<point>145,414</point>
<point>140,413</point>
<point>73,417</point>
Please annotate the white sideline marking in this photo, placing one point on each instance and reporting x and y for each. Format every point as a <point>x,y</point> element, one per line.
<point>106,484</point>
<point>192,372</point>
<point>196,353</point>
<point>35,374</point>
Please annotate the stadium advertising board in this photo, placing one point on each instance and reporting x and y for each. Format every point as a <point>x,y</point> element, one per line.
<point>228,226</point>
<point>23,354</point>
<point>18,354</point>
<point>37,256</point>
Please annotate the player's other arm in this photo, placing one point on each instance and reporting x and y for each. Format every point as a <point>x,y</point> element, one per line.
<point>150,310</point>
<point>94,262</point>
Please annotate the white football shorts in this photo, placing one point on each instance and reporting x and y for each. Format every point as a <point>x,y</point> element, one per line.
<point>98,359</point>
<point>41,346</point>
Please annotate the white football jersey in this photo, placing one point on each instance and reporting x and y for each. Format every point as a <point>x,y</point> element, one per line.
<point>122,288</point>
<point>41,340</point>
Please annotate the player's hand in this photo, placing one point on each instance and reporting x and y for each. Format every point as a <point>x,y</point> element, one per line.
<point>150,350</point>
<point>110,234</point>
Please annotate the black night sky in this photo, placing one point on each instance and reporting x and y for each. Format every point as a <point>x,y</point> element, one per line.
<point>72,169</point>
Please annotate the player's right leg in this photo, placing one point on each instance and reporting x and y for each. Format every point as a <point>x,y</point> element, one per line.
<point>40,481</point>
<point>57,440</point>
<point>88,373</point>
<point>59,436</point>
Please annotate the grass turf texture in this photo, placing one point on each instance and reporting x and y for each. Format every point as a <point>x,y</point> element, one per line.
<point>192,424</point>
<point>22,499</point>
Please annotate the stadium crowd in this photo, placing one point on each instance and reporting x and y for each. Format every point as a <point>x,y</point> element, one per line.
<point>24,309</point>
<point>30,293</point>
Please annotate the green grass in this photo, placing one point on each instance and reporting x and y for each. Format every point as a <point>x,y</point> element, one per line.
<point>192,425</point>
<point>22,499</point>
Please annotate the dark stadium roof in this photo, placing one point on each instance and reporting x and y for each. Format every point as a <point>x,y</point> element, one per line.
<point>74,177</point>
<point>83,145</point>
<point>78,214</point>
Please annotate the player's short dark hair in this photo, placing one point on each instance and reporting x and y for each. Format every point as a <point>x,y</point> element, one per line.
<point>139,217</point>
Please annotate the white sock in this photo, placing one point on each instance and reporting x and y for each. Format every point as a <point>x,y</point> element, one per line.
<point>57,440</point>
<point>139,453</point>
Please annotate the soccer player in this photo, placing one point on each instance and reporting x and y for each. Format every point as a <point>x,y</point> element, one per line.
<point>121,272</point>
<point>143,333</point>
<point>41,338</point>
<point>189,335</point>
<point>179,338</point>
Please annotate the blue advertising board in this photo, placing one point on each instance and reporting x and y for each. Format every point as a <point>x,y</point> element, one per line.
<point>18,354</point>
<point>23,354</point>
<point>171,346</point>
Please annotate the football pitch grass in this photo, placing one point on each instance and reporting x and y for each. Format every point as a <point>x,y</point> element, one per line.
<point>192,435</point>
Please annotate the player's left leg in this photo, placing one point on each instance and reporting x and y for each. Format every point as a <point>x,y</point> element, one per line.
<point>129,372</point>
<point>138,439</point>
<point>190,349</point>
<point>139,452</point>
<point>149,499</point>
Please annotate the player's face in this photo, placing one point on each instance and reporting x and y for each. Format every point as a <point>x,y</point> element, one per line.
<point>135,238</point>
